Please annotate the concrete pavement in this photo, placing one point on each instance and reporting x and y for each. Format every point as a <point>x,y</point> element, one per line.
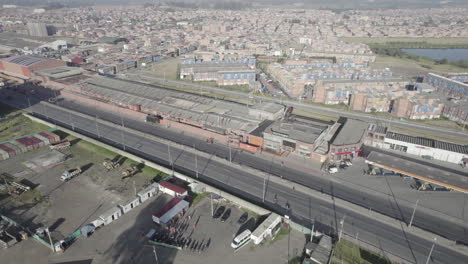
<point>249,187</point>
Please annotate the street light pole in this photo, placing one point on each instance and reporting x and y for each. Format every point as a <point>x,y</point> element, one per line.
<point>196,165</point>
<point>264,189</point>
<point>50,240</point>
<point>170,158</point>
<point>211,198</point>
<point>341,229</point>
<point>155,255</point>
<point>97,127</point>
<point>430,252</point>
<point>414,211</point>
<point>123,128</point>
<point>230,156</point>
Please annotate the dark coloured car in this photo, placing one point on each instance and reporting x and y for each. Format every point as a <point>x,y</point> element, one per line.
<point>243,218</point>
<point>219,212</point>
<point>226,215</point>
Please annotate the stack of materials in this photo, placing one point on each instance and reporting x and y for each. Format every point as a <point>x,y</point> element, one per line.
<point>14,147</point>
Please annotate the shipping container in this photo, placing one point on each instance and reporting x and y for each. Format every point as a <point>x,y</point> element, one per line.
<point>17,149</point>
<point>3,154</point>
<point>54,138</point>
<point>11,152</point>
<point>25,142</point>
<point>37,143</point>
<point>48,136</point>
<point>45,140</point>
<point>22,148</point>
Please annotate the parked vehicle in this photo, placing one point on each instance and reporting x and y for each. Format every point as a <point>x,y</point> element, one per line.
<point>241,240</point>
<point>243,218</point>
<point>219,212</point>
<point>226,215</point>
<point>110,164</point>
<point>332,169</point>
<point>69,174</point>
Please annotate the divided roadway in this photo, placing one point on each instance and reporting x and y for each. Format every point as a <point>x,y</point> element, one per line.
<point>304,208</point>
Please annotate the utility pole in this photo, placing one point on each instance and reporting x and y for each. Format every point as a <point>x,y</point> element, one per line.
<point>29,104</point>
<point>122,131</point>
<point>312,231</point>
<point>196,165</point>
<point>155,255</point>
<point>45,111</point>
<point>430,252</point>
<point>414,211</point>
<point>50,240</point>
<point>230,156</point>
<point>97,128</point>
<point>211,198</point>
<point>341,229</point>
<point>71,122</point>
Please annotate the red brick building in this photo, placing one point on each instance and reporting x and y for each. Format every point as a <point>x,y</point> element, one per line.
<point>23,66</point>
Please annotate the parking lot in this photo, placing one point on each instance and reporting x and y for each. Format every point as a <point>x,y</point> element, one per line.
<point>66,206</point>
<point>207,240</point>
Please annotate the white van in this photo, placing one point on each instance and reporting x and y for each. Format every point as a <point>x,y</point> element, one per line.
<point>241,239</point>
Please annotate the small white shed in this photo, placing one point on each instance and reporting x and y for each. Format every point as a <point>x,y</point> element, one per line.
<point>129,204</point>
<point>269,227</point>
<point>111,215</point>
<point>148,192</point>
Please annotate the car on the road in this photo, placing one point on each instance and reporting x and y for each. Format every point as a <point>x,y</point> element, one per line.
<point>243,218</point>
<point>219,212</point>
<point>226,215</point>
<point>332,169</point>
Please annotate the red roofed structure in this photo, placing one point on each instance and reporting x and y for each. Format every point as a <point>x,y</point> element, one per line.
<point>172,189</point>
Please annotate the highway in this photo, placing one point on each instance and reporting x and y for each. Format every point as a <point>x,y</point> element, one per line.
<point>377,202</point>
<point>362,116</point>
<point>303,208</point>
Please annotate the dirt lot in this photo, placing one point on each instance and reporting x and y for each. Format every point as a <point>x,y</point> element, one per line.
<point>66,206</point>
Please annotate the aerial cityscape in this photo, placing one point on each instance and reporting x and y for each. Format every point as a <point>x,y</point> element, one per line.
<point>264,131</point>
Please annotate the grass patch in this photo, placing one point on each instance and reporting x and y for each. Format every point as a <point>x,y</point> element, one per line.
<point>352,253</point>
<point>284,231</point>
<point>168,69</point>
<point>198,197</point>
<point>14,124</point>
<point>251,213</point>
<point>98,153</point>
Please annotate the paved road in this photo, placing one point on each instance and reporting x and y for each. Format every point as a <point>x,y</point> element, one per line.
<point>376,201</point>
<point>249,186</point>
<point>309,106</point>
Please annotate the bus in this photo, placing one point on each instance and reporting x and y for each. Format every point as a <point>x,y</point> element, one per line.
<point>241,240</point>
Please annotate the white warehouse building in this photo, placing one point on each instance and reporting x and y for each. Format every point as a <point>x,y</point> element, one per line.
<point>433,149</point>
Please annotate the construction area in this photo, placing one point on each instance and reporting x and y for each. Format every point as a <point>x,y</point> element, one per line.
<point>58,195</point>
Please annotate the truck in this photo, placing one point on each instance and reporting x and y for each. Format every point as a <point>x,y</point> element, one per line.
<point>110,164</point>
<point>69,174</point>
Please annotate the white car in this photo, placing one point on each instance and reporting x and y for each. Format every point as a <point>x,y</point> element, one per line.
<point>333,169</point>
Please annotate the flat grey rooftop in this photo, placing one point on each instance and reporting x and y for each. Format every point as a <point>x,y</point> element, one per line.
<point>297,130</point>
<point>423,170</point>
<point>351,132</point>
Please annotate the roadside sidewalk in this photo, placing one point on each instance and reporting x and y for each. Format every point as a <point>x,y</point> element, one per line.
<point>327,198</point>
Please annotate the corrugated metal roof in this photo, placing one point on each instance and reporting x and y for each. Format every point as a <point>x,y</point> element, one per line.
<point>429,142</point>
<point>25,60</point>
